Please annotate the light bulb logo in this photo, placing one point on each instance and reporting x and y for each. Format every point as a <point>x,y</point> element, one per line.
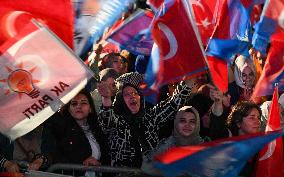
<point>21,81</point>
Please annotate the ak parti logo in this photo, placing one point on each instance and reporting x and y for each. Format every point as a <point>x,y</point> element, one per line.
<point>20,80</point>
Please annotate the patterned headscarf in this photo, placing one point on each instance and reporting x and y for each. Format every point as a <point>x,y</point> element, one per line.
<point>132,78</point>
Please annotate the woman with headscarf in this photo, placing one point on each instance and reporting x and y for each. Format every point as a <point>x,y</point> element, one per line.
<point>132,128</point>
<point>185,133</point>
<point>245,78</point>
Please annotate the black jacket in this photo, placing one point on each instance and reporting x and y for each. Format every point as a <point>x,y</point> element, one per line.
<point>65,142</point>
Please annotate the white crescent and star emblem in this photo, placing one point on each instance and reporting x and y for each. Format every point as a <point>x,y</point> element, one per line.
<point>171,39</point>
<point>9,22</point>
<point>204,22</point>
<point>197,3</point>
<point>270,149</point>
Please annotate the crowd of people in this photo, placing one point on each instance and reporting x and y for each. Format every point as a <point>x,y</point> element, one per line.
<point>114,125</point>
<point>111,123</point>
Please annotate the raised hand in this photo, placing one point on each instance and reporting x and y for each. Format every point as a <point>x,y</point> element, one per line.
<point>192,84</point>
<point>104,89</point>
<point>215,94</point>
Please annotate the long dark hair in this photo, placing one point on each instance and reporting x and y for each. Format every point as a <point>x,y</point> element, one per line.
<point>92,114</point>
<point>239,111</point>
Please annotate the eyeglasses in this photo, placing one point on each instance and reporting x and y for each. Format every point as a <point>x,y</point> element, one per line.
<point>130,94</point>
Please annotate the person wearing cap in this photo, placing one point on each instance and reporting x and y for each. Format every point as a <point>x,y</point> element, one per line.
<point>107,76</point>
<point>185,133</point>
<point>131,128</point>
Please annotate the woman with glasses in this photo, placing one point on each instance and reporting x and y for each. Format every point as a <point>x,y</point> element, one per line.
<point>132,128</point>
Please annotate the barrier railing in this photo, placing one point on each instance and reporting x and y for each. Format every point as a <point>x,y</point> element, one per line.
<point>32,173</point>
<point>100,169</point>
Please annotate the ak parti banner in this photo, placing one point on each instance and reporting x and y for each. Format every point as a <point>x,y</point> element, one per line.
<point>38,74</point>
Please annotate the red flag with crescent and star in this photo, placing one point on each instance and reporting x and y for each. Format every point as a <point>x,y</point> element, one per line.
<point>181,53</point>
<point>205,12</point>
<point>58,16</point>
<point>270,159</point>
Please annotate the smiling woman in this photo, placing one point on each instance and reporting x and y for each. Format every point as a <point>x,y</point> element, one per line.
<point>244,118</point>
<point>186,132</point>
<point>74,136</point>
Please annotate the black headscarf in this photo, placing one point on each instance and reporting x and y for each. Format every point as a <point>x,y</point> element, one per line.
<point>120,107</point>
<point>135,121</point>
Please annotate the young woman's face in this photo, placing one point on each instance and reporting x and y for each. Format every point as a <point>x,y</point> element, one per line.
<point>117,64</point>
<point>186,124</point>
<point>248,77</point>
<point>250,123</point>
<point>80,107</point>
<point>131,98</point>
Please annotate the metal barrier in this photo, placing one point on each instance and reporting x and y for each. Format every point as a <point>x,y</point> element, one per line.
<point>101,169</point>
<point>32,173</point>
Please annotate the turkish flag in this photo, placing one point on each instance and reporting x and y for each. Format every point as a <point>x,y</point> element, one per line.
<point>181,54</point>
<point>205,17</point>
<point>270,159</point>
<point>272,72</point>
<point>58,16</point>
<point>219,72</point>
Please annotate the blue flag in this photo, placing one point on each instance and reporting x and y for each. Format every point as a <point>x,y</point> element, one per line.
<point>109,13</point>
<point>134,34</point>
<point>221,158</point>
